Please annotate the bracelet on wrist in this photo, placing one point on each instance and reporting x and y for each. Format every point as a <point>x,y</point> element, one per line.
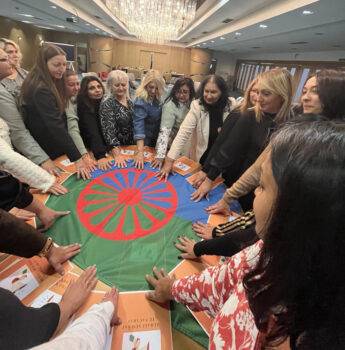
<point>47,247</point>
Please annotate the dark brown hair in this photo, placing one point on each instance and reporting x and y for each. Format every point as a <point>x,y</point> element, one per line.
<point>83,96</point>
<point>40,76</point>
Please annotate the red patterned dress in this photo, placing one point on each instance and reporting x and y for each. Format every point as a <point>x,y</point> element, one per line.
<point>219,291</point>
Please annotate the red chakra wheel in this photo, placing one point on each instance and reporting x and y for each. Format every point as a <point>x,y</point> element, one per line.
<point>126,204</point>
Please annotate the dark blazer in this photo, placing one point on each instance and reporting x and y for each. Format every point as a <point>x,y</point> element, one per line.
<point>238,144</point>
<point>48,125</point>
<point>90,128</point>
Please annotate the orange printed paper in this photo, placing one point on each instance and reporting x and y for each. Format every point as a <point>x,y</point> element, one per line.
<point>185,166</point>
<point>145,324</point>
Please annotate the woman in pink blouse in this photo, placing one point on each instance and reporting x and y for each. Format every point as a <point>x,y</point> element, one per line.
<point>286,290</point>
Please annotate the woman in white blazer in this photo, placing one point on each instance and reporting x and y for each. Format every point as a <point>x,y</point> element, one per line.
<point>202,123</point>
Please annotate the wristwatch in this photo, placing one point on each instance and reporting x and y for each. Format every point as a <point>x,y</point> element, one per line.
<point>45,250</point>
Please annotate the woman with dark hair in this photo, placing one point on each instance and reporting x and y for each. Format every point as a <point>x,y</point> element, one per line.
<point>202,123</point>
<point>44,100</point>
<point>88,103</point>
<point>174,110</point>
<point>289,286</point>
<point>323,93</point>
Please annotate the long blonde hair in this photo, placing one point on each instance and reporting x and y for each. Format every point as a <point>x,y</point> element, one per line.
<point>278,82</point>
<point>151,76</point>
<point>245,104</point>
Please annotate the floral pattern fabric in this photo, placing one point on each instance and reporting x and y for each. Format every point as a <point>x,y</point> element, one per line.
<point>116,122</point>
<point>219,291</point>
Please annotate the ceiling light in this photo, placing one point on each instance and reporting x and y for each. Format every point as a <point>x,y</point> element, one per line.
<point>212,41</point>
<point>53,7</point>
<point>222,38</point>
<point>238,33</point>
<point>97,29</point>
<point>77,31</point>
<point>204,43</point>
<point>26,22</point>
<point>87,24</point>
<point>198,45</point>
<point>154,21</point>
<point>263,26</point>
<point>307,12</point>
<point>25,15</point>
<point>57,25</point>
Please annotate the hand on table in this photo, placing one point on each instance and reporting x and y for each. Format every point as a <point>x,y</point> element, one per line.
<point>186,246</point>
<point>162,283</point>
<point>198,179</point>
<point>157,163</point>
<point>119,160</point>
<point>57,189</point>
<point>82,169</point>
<point>49,166</point>
<point>202,230</point>
<point>104,164</point>
<point>113,296</point>
<point>49,216</point>
<point>78,291</point>
<point>139,160</point>
<point>202,191</point>
<point>221,207</point>
<point>166,169</point>
<point>90,163</point>
<point>59,255</point>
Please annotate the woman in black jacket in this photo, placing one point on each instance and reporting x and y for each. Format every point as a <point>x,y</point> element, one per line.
<point>245,134</point>
<point>43,99</point>
<point>88,103</point>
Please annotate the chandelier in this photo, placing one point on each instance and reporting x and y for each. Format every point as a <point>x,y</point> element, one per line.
<point>154,21</point>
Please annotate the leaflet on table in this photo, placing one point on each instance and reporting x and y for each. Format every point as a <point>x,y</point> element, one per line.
<point>25,275</point>
<point>65,164</point>
<point>185,166</point>
<point>55,292</point>
<point>145,324</point>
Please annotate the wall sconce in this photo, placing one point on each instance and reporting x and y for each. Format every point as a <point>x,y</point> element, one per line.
<point>19,38</point>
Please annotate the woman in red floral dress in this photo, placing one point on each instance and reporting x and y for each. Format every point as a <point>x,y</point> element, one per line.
<point>286,290</point>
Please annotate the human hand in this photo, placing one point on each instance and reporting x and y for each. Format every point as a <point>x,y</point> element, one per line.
<point>90,163</point>
<point>113,296</point>
<point>59,255</point>
<point>198,179</point>
<point>162,283</point>
<point>49,216</point>
<point>104,164</point>
<point>221,207</point>
<point>57,189</point>
<point>78,291</point>
<point>157,163</point>
<point>82,170</point>
<point>49,166</point>
<point>202,191</point>
<point>139,160</point>
<point>163,174</point>
<point>186,246</point>
<point>119,161</point>
<point>202,230</point>
<point>22,214</point>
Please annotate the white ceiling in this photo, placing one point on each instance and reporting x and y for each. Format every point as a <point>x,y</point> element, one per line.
<point>284,19</point>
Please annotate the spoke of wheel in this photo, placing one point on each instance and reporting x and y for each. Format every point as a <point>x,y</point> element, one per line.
<point>97,201</point>
<point>157,199</point>
<point>122,220</point>
<point>91,191</point>
<point>93,213</point>
<point>153,185</point>
<point>154,191</point>
<point>106,220</point>
<point>147,214</point>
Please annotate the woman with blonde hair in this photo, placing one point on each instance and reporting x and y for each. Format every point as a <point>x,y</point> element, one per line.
<point>250,95</point>
<point>116,115</point>
<point>239,145</point>
<point>147,113</point>
<point>13,82</point>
